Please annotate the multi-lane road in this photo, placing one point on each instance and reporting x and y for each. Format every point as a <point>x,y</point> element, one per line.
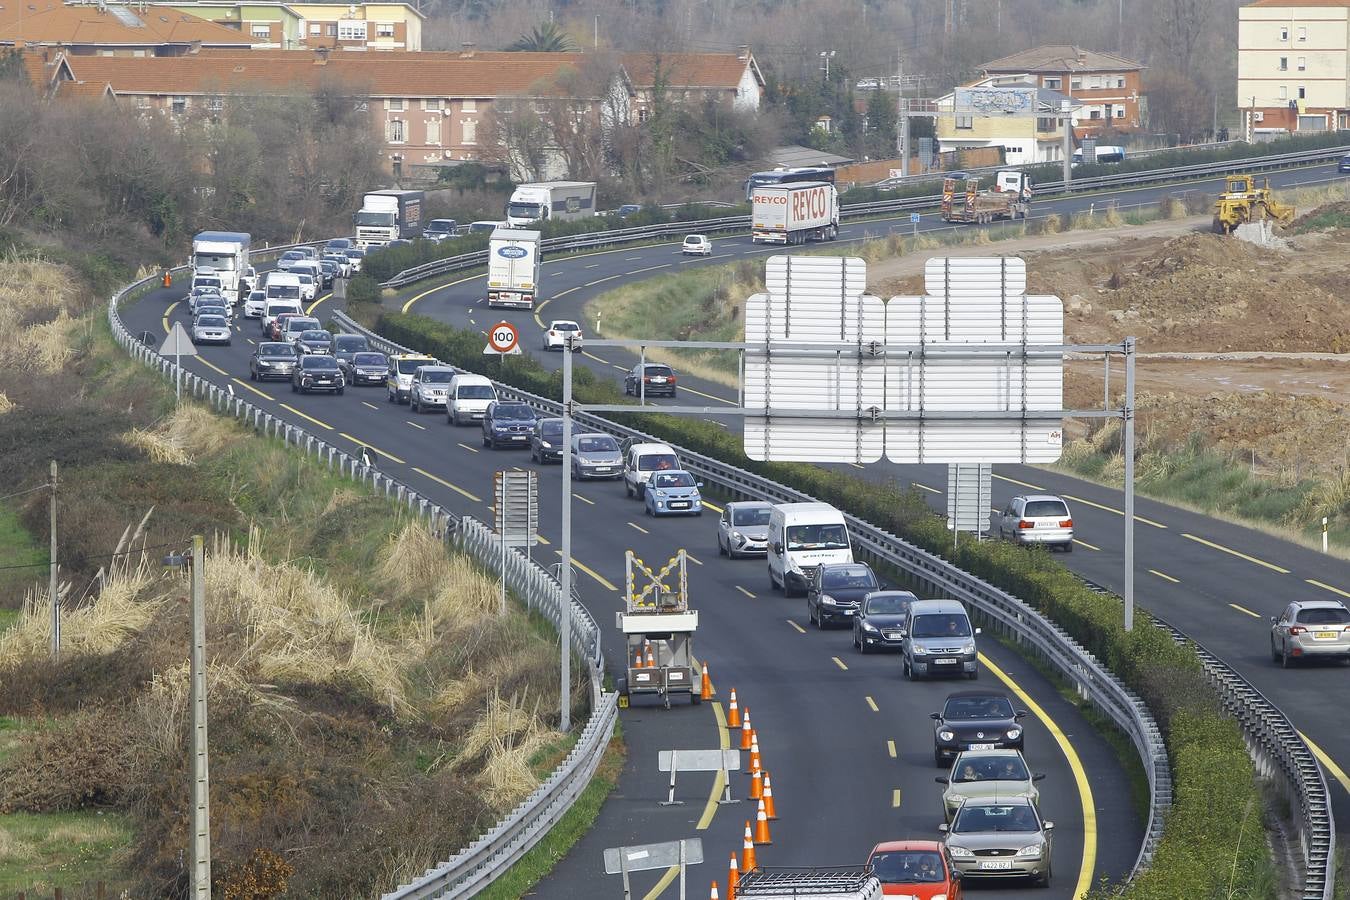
<point>847,742</point>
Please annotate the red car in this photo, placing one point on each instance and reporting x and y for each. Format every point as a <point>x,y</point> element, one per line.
<point>919,869</point>
<point>278,326</point>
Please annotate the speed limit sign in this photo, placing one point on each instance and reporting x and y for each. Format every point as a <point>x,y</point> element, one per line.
<point>502,338</point>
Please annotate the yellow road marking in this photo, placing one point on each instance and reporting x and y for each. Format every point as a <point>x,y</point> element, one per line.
<point>1336,771</point>
<point>890,748</point>
<point>924,487</point>
<point>895,799</point>
<point>713,506</point>
<point>1326,587</point>
<point>309,310</point>
<point>839,662</point>
<point>600,579</point>
<point>167,312</point>
<point>1243,609</point>
<point>470,449</point>
<point>1222,548</point>
<point>1080,777</point>
<point>1164,577</point>
<point>1025,484</point>
<point>213,366</point>
<point>872,704</point>
<point>370,405</point>
<point>1086,544</point>
<point>659,888</point>
<point>638,527</point>
<point>415,425</point>
<point>719,780</point>
<point>590,355</point>
<point>441,481</point>
<point>407,306</point>
<point>1119,512</point>
<point>800,629</point>
<point>245,384</point>
<point>583,499</point>
<point>745,592</point>
<point>374,449</point>
<point>287,406</point>
<point>537,310</point>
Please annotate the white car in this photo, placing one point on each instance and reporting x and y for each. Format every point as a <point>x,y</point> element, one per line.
<point>253,306</point>
<point>309,289</point>
<point>697,245</point>
<point>558,331</point>
<point>355,254</point>
<point>290,258</point>
<point>342,261</point>
<point>210,330</point>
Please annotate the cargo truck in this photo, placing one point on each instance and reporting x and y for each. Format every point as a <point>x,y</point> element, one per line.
<point>513,268</point>
<point>794,213</point>
<point>225,254</point>
<point>387,216</point>
<point>544,201</point>
<point>1010,198</point>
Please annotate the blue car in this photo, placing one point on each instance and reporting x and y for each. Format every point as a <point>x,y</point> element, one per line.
<point>673,493</point>
<point>1344,165</point>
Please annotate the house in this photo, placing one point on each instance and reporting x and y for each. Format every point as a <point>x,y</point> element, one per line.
<point>112,30</point>
<point>693,78</point>
<point>1292,66</point>
<point>1106,86</point>
<point>1011,112</point>
<point>270,26</point>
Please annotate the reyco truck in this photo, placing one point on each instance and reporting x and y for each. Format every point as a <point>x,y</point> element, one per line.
<point>794,213</point>
<point>544,201</point>
<point>387,216</point>
<point>513,268</point>
<point>224,254</point>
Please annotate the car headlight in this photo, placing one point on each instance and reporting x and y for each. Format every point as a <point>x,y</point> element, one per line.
<point>960,852</point>
<point>1014,733</point>
<point>1032,851</point>
<point>867,626</point>
<point>946,735</point>
<point>547,446</point>
<point>827,600</point>
<point>968,648</point>
<point>737,536</point>
<point>920,650</point>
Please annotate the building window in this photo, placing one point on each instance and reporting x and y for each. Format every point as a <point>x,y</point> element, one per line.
<point>432,104</point>
<point>1076,83</point>
<point>1284,34</point>
<point>643,115</point>
<point>1095,114</point>
<point>1053,83</point>
<point>332,30</point>
<point>397,167</point>
<point>351,31</point>
<point>1044,124</point>
<point>394,132</point>
<point>470,129</point>
<point>215,104</point>
<point>1302,94</point>
<point>261,32</point>
<point>142,102</point>
<point>964,122</point>
<point>1120,112</point>
<point>1284,64</point>
<point>316,29</point>
<point>1284,92</point>
<point>361,105</point>
<point>1303,63</point>
<point>433,131</point>
<point>469,106</point>
<point>1302,33</point>
<point>394,105</point>
<point>178,105</point>
<point>1120,81</point>
<point>384,29</point>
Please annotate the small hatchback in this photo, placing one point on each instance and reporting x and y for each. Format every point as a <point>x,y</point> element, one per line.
<point>1310,629</point>
<point>596,456</point>
<point>743,529</point>
<point>1036,519</point>
<point>920,870</point>
<point>673,494</point>
<point>696,245</point>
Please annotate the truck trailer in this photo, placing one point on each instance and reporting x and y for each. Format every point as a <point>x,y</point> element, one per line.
<point>544,201</point>
<point>794,213</point>
<point>1010,198</point>
<point>513,268</point>
<point>225,253</point>
<point>387,216</point>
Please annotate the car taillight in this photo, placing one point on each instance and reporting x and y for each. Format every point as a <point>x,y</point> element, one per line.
<point>1066,523</point>
<point>1298,629</point>
<point>1023,523</point>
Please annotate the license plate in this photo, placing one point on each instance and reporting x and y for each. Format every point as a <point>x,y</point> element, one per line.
<point>658,381</point>
<point>604,468</point>
<point>848,612</point>
<point>682,504</point>
<point>995,864</point>
<point>945,662</point>
<point>982,746</point>
<point>1325,635</point>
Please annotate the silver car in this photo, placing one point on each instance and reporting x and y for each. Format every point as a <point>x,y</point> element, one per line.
<point>210,330</point>
<point>1310,629</point>
<point>1000,838</point>
<point>743,529</point>
<point>1036,519</point>
<point>596,456</point>
<point>979,775</point>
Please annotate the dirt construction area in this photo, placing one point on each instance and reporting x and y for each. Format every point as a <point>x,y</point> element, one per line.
<point>1244,345</point>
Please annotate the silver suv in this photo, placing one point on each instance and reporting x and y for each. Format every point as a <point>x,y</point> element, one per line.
<point>939,640</point>
<point>1310,628</point>
<point>430,387</point>
<point>1036,519</point>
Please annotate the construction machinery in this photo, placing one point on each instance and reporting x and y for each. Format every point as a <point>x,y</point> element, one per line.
<point>1242,202</point>
<point>658,628</point>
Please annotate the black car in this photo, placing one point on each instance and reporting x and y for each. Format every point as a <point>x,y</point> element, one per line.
<point>367,367</point>
<point>330,271</point>
<point>546,440</point>
<point>657,380</point>
<point>272,359</point>
<point>314,340</point>
<point>507,424</point>
<point>317,373</point>
<point>836,590</point>
<point>880,620</point>
<point>976,720</point>
<point>345,346</point>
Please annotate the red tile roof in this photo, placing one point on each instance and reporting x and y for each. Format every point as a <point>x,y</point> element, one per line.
<point>96,90</point>
<point>47,22</point>
<point>687,70</point>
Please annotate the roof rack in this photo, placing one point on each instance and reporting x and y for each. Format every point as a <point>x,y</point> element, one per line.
<point>804,882</point>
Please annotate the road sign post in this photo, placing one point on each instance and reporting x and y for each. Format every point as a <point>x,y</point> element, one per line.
<point>503,339</point>
<point>515,514</point>
<point>179,344</point>
<point>719,761</point>
<point>914,221</point>
<point>682,853</point>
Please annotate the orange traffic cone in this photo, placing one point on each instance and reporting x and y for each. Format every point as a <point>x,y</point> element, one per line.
<point>762,825</point>
<point>168,278</point>
<point>706,691</point>
<point>712,895</point>
<point>637,658</point>
<point>651,660</point>
<point>745,730</point>
<point>733,874</point>
<point>755,763</point>
<point>733,712</point>
<point>756,785</point>
<point>769,809</point>
<point>748,860</point>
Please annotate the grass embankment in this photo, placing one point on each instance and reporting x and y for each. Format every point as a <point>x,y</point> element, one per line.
<point>361,682</point>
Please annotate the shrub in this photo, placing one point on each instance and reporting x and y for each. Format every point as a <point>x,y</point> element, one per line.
<point>363,289</point>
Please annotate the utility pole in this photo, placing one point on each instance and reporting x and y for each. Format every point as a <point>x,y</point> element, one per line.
<point>902,116</point>
<point>565,570</point>
<point>201,779</point>
<point>825,57</point>
<point>52,587</point>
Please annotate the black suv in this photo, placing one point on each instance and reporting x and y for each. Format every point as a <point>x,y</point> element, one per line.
<point>836,590</point>
<point>317,373</point>
<point>507,424</point>
<point>658,379</point>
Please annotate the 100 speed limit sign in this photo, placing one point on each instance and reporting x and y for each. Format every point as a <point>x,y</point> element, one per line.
<point>502,337</point>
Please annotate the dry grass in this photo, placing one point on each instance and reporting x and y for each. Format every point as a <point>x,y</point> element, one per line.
<point>5,403</point>
<point>1051,224</point>
<point>188,432</point>
<point>33,321</point>
<point>507,734</point>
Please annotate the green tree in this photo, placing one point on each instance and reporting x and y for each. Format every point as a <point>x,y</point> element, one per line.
<point>545,37</point>
<point>879,138</point>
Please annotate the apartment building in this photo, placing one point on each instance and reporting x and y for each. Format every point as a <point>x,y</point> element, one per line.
<point>1294,66</point>
<point>1106,88</point>
<point>1008,112</point>
<point>88,29</point>
<point>291,26</point>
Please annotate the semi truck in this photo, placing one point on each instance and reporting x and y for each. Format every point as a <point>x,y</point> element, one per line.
<point>513,268</point>
<point>387,216</point>
<point>794,213</point>
<point>225,254</point>
<point>1010,198</point>
<point>544,201</point>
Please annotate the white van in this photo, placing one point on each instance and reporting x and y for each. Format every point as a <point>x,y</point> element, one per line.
<point>801,537</point>
<point>641,461</point>
<point>468,398</point>
<point>274,308</point>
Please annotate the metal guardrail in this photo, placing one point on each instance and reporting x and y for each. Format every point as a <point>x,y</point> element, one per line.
<point>490,855</point>
<point>1011,616</point>
<point>597,239</point>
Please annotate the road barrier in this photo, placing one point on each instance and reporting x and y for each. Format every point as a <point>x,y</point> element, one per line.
<point>477,865</point>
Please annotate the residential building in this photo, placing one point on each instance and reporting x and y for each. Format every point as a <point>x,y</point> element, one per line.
<point>1009,112</point>
<point>694,77</point>
<point>291,26</point>
<point>1294,66</point>
<point>1107,87</point>
<point>270,26</point>
<point>81,29</point>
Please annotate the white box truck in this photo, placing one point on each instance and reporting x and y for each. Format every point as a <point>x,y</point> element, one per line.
<point>225,253</point>
<point>386,216</point>
<point>544,201</point>
<point>794,213</point>
<point>513,268</point>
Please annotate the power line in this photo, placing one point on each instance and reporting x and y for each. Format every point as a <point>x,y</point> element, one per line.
<point>43,565</point>
<point>40,487</point>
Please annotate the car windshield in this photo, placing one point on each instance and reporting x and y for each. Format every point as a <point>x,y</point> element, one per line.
<point>292,254</point>
<point>908,867</point>
<point>654,462</point>
<point>564,326</point>
<point>320,362</point>
<point>475,392</point>
<point>436,376</point>
<point>207,284</point>
<point>995,818</point>
<point>350,343</point>
<point>550,428</point>
<point>604,444</point>
<point>315,336</point>
<point>659,372</point>
<point>305,277</point>
<point>977,708</point>
<point>370,359</point>
<point>211,321</point>
<point>1004,768</point>
<point>210,304</point>
<point>270,349</point>
<point>296,323</point>
<point>354,253</point>
<point>752,515</point>
<point>941,625</point>
<point>829,536</point>
<point>694,239</point>
<point>283,291</point>
<point>672,480</point>
<point>887,605</point>
<point>409,366</point>
<point>1325,615</point>
<point>850,577</point>
<point>503,410</point>
<point>1045,509</point>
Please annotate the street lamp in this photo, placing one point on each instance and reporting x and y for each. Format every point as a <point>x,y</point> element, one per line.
<point>825,57</point>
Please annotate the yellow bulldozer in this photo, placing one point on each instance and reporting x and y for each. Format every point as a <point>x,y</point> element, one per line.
<point>1244,202</point>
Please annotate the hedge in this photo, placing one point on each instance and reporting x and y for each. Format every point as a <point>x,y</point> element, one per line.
<point>1211,834</point>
